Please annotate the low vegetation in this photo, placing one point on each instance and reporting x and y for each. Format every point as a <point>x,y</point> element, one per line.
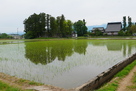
<point>5,36</point>
<point>113,84</point>
<point>6,87</point>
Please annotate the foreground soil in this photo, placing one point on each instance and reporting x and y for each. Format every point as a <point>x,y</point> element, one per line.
<point>126,84</point>
<point>26,85</point>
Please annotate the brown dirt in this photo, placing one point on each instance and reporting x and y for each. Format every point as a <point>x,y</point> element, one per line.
<point>127,81</point>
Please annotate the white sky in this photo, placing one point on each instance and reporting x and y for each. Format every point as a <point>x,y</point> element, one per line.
<point>95,12</point>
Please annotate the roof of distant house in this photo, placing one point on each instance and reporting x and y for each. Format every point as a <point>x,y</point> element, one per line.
<point>114,26</point>
<point>100,28</point>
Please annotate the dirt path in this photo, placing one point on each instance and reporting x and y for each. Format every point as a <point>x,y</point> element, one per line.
<point>127,81</point>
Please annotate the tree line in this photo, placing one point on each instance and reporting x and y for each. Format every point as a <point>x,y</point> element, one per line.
<point>45,25</point>
<point>129,28</point>
<point>5,36</point>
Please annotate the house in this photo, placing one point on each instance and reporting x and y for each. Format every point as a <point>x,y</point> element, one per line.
<point>74,34</point>
<point>113,28</point>
<point>98,28</point>
<point>15,36</point>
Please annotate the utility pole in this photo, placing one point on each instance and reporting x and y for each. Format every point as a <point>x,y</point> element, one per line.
<point>17,34</point>
<point>17,31</point>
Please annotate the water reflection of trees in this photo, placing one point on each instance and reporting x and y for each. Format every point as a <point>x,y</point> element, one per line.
<point>47,51</point>
<point>117,45</point>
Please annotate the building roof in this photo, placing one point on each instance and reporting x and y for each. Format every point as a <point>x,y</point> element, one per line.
<point>100,28</point>
<point>114,27</point>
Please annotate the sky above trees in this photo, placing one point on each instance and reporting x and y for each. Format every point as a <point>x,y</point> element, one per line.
<point>95,12</point>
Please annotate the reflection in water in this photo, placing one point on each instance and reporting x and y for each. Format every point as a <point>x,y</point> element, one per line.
<point>114,46</point>
<point>117,45</point>
<point>47,51</point>
<point>63,63</point>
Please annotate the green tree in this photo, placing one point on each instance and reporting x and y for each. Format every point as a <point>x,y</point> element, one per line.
<point>53,26</point>
<point>129,22</point>
<point>80,27</point>
<point>62,26</point>
<point>132,29</point>
<point>124,23</point>
<point>35,25</point>
<point>5,36</point>
<point>68,27</point>
<point>84,28</point>
<point>58,26</point>
<point>98,32</point>
<point>48,23</point>
<point>121,33</point>
<point>42,24</point>
<point>39,25</point>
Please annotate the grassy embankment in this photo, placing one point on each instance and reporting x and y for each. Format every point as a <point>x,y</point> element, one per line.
<point>114,83</point>
<point>7,87</point>
<point>11,83</point>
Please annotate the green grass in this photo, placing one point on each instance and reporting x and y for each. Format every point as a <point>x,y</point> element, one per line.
<point>109,87</point>
<point>23,81</point>
<point>6,87</point>
<point>34,83</point>
<point>112,86</point>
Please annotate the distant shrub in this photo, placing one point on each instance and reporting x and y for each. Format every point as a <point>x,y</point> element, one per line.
<point>121,33</point>
<point>5,36</point>
<point>86,35</point>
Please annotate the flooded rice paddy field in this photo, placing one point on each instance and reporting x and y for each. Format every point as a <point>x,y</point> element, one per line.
<point>63,63</point>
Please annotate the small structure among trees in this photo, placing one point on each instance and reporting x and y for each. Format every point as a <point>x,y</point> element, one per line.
<point>98,31</point>
<point>74,34</point>
<point>98,28</point>
<point>16,36</point>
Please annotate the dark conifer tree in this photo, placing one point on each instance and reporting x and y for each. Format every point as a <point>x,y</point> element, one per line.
<point>124,23</point>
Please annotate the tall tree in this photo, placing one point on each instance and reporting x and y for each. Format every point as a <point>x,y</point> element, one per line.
<point>58,26</point>
<point>129,22</point>
<point>68,27</point>
<point>84,28</point>
<point>42,23</point>
<point>80,27</point>
<point>62,26</point>
<point>34,25</point>
<point>48,23</point>
<point>132,29</point>
<point>53,26</point>
<point>124,23</point>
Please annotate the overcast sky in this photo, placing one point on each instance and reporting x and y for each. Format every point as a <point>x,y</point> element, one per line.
<point>95,12</point>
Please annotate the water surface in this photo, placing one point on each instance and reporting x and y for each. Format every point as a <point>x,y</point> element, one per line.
<point>63,63</point>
